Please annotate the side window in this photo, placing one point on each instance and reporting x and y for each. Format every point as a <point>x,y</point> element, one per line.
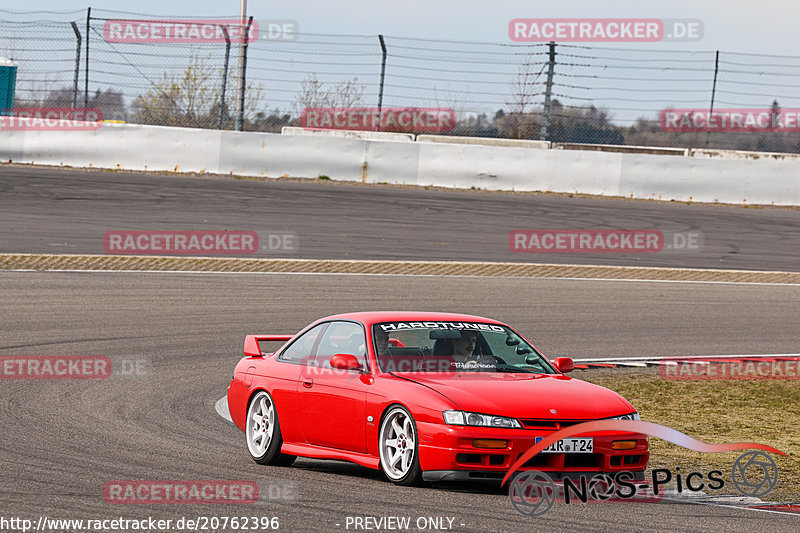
<point>301,350</point>
<point>342,337</point>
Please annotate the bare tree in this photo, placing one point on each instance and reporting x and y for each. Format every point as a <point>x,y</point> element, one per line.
<point>191,99</point>
<point>521,122</point>
<point>177,101</point>
<point>314,93</point>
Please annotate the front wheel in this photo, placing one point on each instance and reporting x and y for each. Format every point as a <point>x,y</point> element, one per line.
<point>399,447</point>
<point>263,432</point>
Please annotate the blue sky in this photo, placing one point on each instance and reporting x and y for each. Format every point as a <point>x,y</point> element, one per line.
<point>764,26</point>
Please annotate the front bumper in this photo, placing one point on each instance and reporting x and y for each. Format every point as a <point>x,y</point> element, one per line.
<point>448,453</point>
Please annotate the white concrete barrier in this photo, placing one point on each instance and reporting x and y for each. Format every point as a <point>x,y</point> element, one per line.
<point>367,135</point>
<point>275,156</point>
<point>521,169</point>
<point>487,141</point>
<point>124,146</point>
<point>622,148</point>
<point>707,177</point>
<point>712,153</point>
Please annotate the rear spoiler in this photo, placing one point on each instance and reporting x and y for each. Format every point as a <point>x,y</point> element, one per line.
<point>251,347</point>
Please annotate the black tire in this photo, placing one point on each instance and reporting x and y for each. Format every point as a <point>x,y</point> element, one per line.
<point>263,432</point>
<point>398,444</point>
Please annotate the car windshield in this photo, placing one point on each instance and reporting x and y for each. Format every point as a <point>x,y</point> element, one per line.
<point>454,347</point>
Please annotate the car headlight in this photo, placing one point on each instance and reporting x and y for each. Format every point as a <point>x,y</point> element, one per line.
<point>463,418</point>
<point>631,416</point>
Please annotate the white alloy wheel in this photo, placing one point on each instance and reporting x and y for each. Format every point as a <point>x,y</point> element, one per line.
<point>260,424</point>
<point>398,447</point>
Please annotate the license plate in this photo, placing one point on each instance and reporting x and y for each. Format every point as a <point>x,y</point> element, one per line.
<point>585,445</point>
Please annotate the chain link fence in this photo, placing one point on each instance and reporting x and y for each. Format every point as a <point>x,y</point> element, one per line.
<point>140,68</point>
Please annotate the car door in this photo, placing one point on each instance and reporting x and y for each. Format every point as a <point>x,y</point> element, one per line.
<point>334,401</point>
<point>285,377</point>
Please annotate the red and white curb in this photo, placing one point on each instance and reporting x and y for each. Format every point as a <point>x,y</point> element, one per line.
<point>732,501</point>
<point>644,362</point>
<point>221,407</point>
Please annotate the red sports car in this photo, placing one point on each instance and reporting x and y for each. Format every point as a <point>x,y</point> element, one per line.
<point>422,396</point>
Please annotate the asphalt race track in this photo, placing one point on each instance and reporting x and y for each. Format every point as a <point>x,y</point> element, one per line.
<point>47,210</point>
<point>62,440</point>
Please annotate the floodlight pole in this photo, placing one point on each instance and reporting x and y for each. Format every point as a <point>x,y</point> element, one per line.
<point>383,75</point>
<point>242,51</point>
<point>86,70</point>
<point>77,64</point>
<point>224,75</point>
<point>548,91</point>
<point>713,94</point>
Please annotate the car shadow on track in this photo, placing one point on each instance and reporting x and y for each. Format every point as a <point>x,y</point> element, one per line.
<point>344,468</point>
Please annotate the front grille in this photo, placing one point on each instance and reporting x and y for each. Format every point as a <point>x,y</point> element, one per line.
<point>496,460</point>
<point>469,458</point>
<point>481,459</point>
<point>536,423</point>
<point>540,459</point>
<point>583,460</point>
<point>626,460</point>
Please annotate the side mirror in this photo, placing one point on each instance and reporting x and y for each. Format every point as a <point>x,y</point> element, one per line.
<point>564,364</point>
<point>345,361</point>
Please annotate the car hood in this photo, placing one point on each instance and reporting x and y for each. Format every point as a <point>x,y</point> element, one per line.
<point>526,396</point>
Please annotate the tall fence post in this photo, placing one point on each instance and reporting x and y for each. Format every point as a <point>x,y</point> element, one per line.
<point>224,76</point>
<point>242,75</point>
<point>713,94</point>
<point>86,72</point>
<point>77,64</point>
<point>239,112</point>
<point>548,92</point>
<point>383,75</point>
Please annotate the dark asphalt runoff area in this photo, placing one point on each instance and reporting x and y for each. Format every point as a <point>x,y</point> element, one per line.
<point>68,211</point>
<point>63,440</point>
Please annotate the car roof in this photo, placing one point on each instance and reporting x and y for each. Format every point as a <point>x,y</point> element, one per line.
<point>372,317</point>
